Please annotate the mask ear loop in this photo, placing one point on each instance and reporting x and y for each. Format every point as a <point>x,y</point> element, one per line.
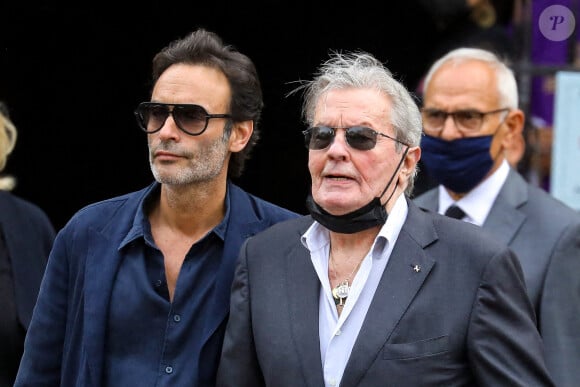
<point>393,176</point>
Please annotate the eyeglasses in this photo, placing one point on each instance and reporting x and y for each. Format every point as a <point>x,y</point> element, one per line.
<point>357,137</point>
<point>466,121</point>
<point>192,119</point>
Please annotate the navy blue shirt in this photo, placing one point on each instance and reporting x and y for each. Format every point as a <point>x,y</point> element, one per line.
<point>168,355</point>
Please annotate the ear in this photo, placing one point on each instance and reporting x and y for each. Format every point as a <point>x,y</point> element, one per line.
<point>241,133</point>
<point>411,159</point>
<point>515,126</point>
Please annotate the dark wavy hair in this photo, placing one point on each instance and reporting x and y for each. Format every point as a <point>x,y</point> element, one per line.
<point>202,47</point>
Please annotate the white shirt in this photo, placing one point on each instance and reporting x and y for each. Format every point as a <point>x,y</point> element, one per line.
<point>477,203</point>
<point>338,334</point>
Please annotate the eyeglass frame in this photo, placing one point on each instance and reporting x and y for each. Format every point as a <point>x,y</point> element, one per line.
<point>346,129</point>
<point>207,115</point>
<point>453,116</point>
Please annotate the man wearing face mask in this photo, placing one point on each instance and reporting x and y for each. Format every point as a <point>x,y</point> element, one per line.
<point>470,119</point>
<point>368,290</point>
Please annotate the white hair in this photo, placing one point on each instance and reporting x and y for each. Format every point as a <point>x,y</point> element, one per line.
<point>504,77</point>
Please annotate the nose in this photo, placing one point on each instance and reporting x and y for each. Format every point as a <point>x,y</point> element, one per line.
<point>449,130</point>
<point>338,147</point>
<point>169,128</point>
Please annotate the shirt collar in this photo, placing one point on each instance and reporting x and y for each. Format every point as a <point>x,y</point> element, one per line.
<point>477,203</point>
<point>141,228</point>
<point>318,237</point>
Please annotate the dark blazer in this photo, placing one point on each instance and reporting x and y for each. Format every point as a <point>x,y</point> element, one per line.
<point>463,319</point>
<point>29,235</point>
<point>65,343</point>
<point>545,235</point>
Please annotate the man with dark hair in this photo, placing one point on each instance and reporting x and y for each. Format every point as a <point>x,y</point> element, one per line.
<point>136,291</point>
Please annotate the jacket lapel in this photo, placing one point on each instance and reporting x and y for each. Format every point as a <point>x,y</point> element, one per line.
<point>99,275</point>
<point>243,223</point>
<point>505,218</point>
<point>303,297</point>
<point>428,200</point>
<point>407,269</point>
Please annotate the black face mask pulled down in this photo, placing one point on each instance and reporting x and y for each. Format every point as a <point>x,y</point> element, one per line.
<point>370,215</point>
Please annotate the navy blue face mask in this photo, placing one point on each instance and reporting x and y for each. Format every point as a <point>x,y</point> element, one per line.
<point>460,164</point>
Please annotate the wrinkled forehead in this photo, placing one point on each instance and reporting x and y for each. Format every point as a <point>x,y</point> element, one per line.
<point>462,85</point>
<point>352,106</point>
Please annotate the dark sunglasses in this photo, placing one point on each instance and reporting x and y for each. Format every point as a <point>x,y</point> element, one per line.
<point>192,119</point>
<point>357,137</point>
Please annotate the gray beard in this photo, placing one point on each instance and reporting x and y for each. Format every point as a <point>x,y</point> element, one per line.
<point>203,166</point>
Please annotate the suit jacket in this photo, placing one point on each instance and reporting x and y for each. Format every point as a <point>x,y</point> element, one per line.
<point>545,235</point>
<point>462,320</point>
<point>65,343</point>
<point>29,235</point>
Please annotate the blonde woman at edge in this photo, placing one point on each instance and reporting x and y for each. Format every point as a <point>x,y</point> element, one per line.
<point>26,236</point>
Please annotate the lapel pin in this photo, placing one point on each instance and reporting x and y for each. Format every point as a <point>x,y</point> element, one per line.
<point>416,268</point>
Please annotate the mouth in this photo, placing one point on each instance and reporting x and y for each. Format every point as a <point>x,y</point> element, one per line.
<point>163,155</point>
<point>338,178</point>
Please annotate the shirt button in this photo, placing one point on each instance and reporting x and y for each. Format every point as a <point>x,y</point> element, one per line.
<point>157,283</point>
<point>177,318</point>
<point>168,369</point>
<point>332,382</point>
<point>338,332</point>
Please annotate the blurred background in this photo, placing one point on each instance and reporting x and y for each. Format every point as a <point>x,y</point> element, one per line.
<point>72,75</point>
